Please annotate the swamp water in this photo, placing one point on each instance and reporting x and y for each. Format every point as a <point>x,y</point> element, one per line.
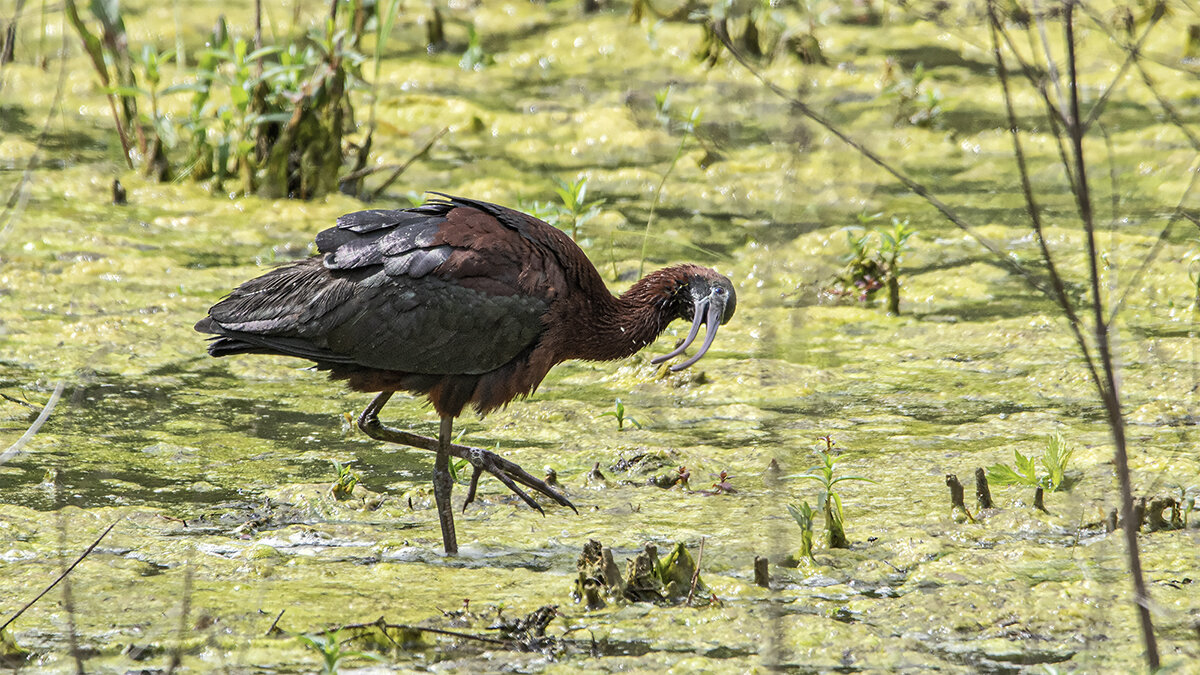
<point>228,544</point>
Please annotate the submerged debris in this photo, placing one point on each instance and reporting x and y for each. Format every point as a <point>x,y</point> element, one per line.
<point>595,477</point>
<point>642,582</point>
<point>528,629</point>
<point>983,495</point>
<point>958,506</point>
<point>523,634</point>
<point>772,474</point>
<point>762,574</point>
<point>1157,514</point>
<point>1110,523</point>
<point>591,583</point>
<point>1155,519</point>
<point>640,461</point>
<point>460,618</point>
<point>680,476</point>
<point>646,578</point>
<point>11,654</point>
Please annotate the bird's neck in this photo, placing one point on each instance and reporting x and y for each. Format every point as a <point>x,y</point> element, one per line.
<point>621,326</point>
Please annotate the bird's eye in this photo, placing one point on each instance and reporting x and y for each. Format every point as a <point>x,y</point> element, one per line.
<point>719,291</point>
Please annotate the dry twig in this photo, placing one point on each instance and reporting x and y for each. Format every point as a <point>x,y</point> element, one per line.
<point>62,576</point>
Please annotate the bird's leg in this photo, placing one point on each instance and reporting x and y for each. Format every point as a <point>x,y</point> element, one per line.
<point>442,485</point>
<point>507,472</point>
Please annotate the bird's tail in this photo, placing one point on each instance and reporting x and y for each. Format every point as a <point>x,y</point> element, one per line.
<point>222,345</point>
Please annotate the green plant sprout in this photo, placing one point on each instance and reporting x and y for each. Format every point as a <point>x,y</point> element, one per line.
<point>662,105</point>
<point>414,198</point>
<point>329,646</point>
<point>830,500</point>
<point>547,211</point>
<point>456,468</point>
<point>165,135</point>
<point>474,58</point>
<point>894,246</point>
<point>619,414</point>
<point>870,267</point>
<point>804,518</point>
<point>573,209</point>
<point>916,102</point>
<point>1186,505</point>
<point>574,203</point>
<point>1054,461</point>
<point>343,486</point>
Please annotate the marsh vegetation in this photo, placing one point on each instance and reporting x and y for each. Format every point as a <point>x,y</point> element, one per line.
<point>964,242</point>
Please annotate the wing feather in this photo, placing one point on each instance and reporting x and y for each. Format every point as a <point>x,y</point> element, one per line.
<point>440,289</point>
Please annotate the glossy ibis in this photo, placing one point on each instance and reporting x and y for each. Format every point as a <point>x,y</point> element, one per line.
<point>464,302</point>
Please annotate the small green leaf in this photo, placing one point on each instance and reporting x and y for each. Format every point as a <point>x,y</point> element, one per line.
<point>186,86</point>
<point>1003,474</point>
<point>1055,460</point>
<point>270,117</point>
<point>1025,467</point>
<point>839,479</point>
<point>240,47</point>
<point>128,92</point>
<point>803,515</point>
<point>109,14</point>
<point>258,54</point>
<point>239,96</point>
<point>819,479</point>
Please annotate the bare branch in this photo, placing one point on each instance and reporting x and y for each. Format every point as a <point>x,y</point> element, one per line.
<point>1051,66</point>
<point>62,576</point>
<point>1130,58</point>
<point>917,188</point>
<point>1179,213</point>
<point>1035,212</point>
<point>403,167</point>
<point>1167,107</point>
<point>1109,392</point>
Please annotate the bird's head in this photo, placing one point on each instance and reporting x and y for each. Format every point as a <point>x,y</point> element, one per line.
<point>706,297</point>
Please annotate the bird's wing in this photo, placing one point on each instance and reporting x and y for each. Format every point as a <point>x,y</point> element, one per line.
<point>446,288</point>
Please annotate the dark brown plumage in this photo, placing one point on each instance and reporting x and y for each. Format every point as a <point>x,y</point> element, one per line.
<point>464,302</point>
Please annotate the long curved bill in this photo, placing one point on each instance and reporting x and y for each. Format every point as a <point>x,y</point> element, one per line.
<point>708,313</point>
<point>696,321</point>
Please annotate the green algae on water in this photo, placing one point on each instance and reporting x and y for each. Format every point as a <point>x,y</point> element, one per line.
<point>221,469</point>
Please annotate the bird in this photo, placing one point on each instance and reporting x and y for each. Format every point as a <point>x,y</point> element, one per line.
<point>463,302</point>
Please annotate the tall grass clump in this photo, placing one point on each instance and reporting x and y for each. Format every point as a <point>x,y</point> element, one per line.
<point>249,118</point>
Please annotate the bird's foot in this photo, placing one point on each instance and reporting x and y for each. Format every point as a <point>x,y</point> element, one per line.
<point>508,473</point>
